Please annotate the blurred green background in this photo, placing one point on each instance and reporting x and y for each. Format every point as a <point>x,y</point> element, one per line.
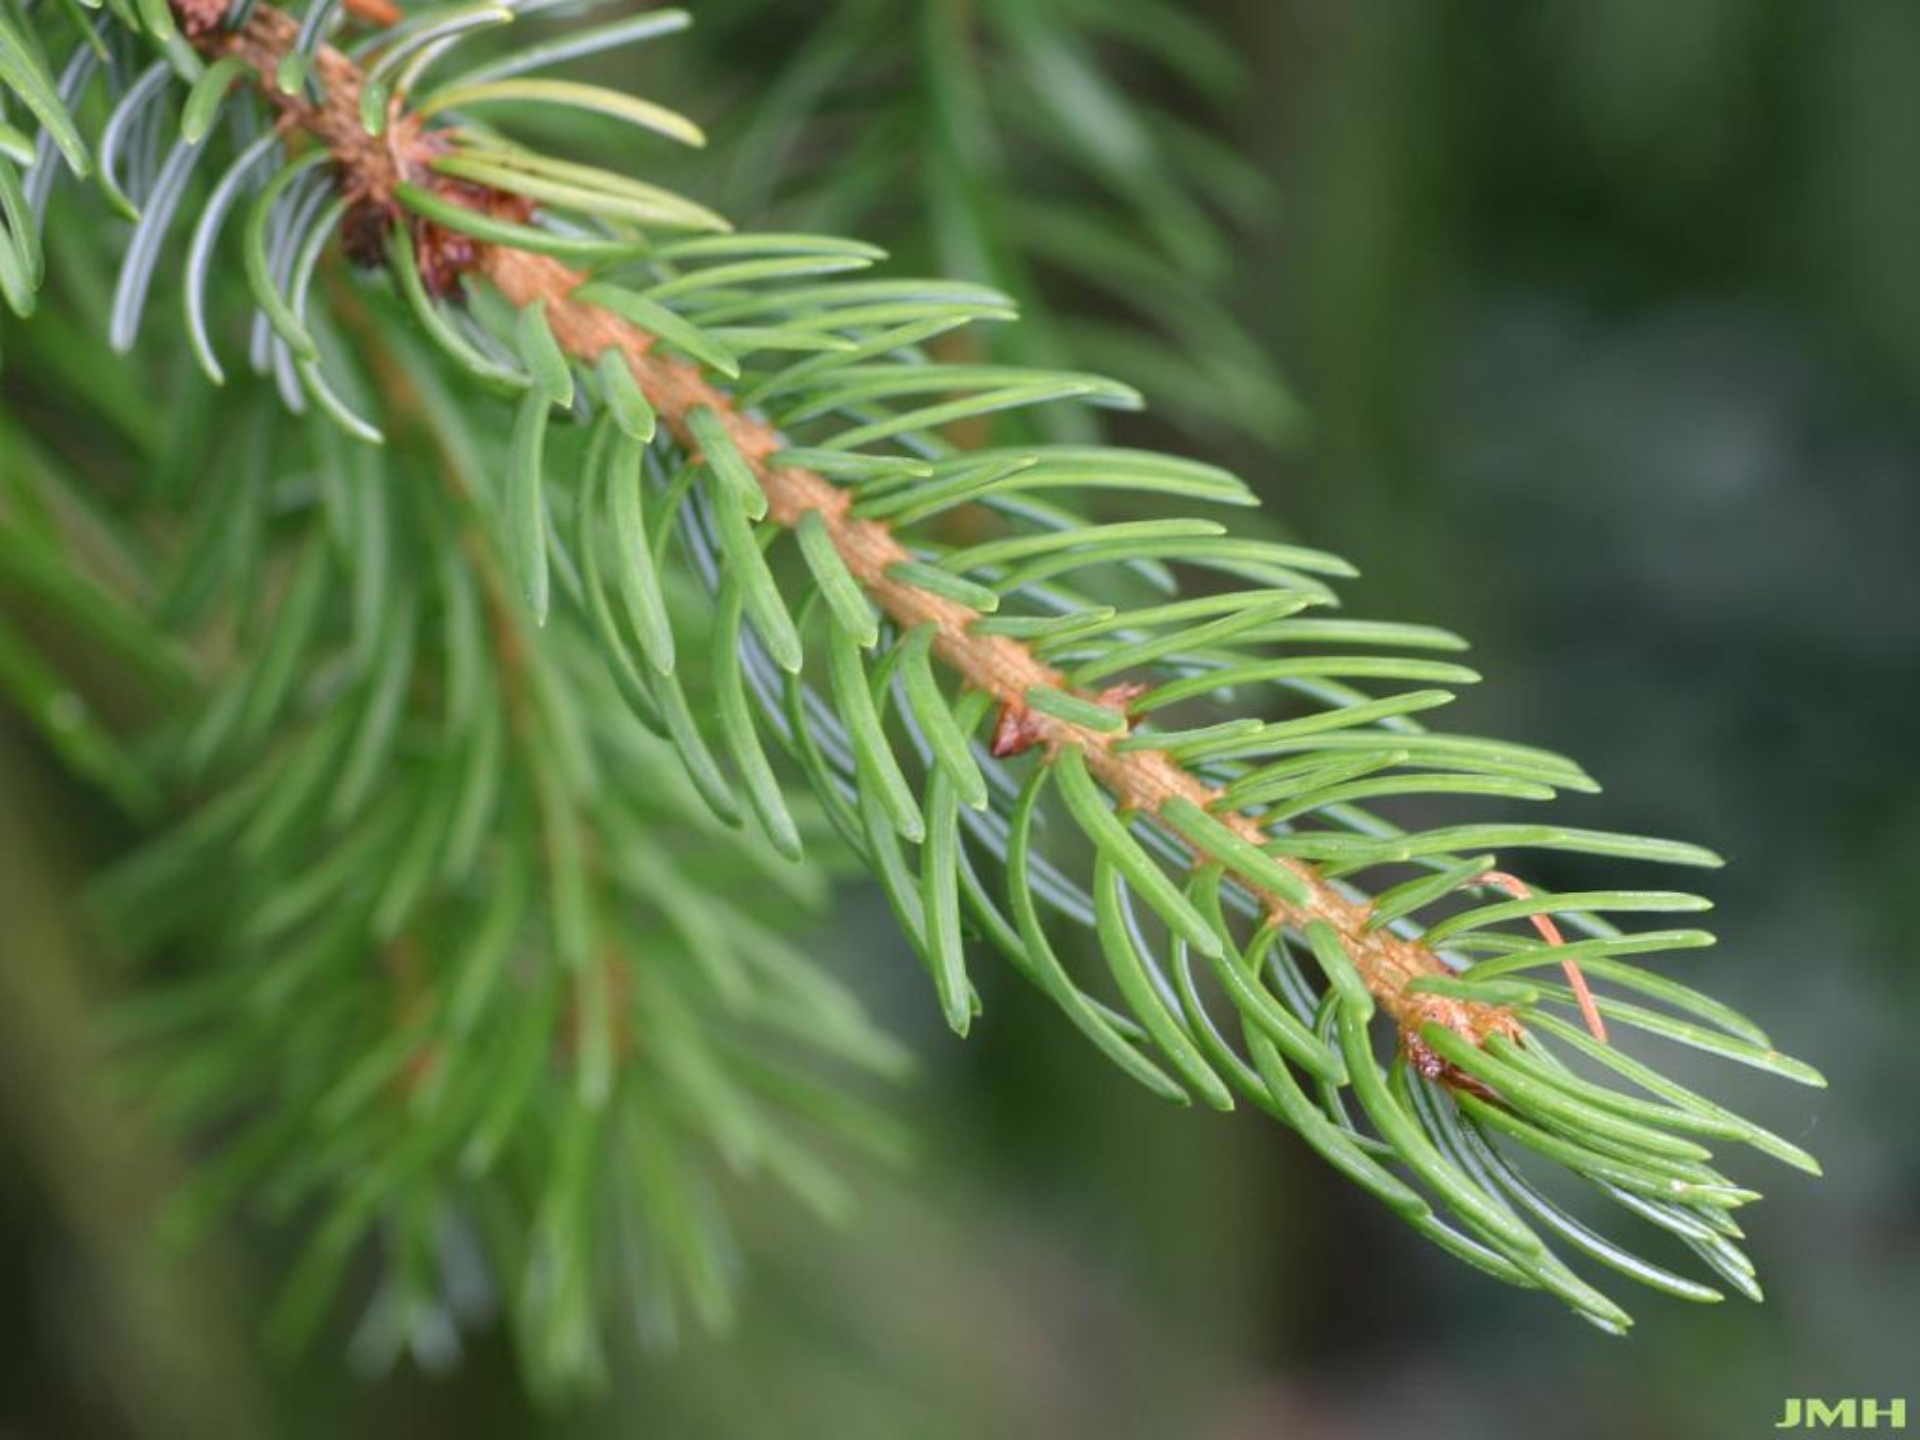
<point>1608,318</point>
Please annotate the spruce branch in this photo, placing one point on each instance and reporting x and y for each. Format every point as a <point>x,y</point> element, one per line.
<point>958,665</point>
<point>1140,781</point>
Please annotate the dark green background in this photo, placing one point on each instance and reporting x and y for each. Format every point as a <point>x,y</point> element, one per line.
<point>1608,315</point>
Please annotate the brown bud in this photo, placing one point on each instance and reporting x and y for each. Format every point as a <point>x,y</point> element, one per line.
<point>1015,731</point>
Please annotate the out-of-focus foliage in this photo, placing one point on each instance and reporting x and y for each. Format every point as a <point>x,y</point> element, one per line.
<point>1062,151</point>
<point>403,863</point>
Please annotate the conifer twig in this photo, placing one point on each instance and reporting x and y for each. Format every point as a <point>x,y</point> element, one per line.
<point>1140,780</point>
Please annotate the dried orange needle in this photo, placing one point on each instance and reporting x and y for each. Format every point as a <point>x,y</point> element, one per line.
<point>1550,932</point>
<point>374,12</point>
